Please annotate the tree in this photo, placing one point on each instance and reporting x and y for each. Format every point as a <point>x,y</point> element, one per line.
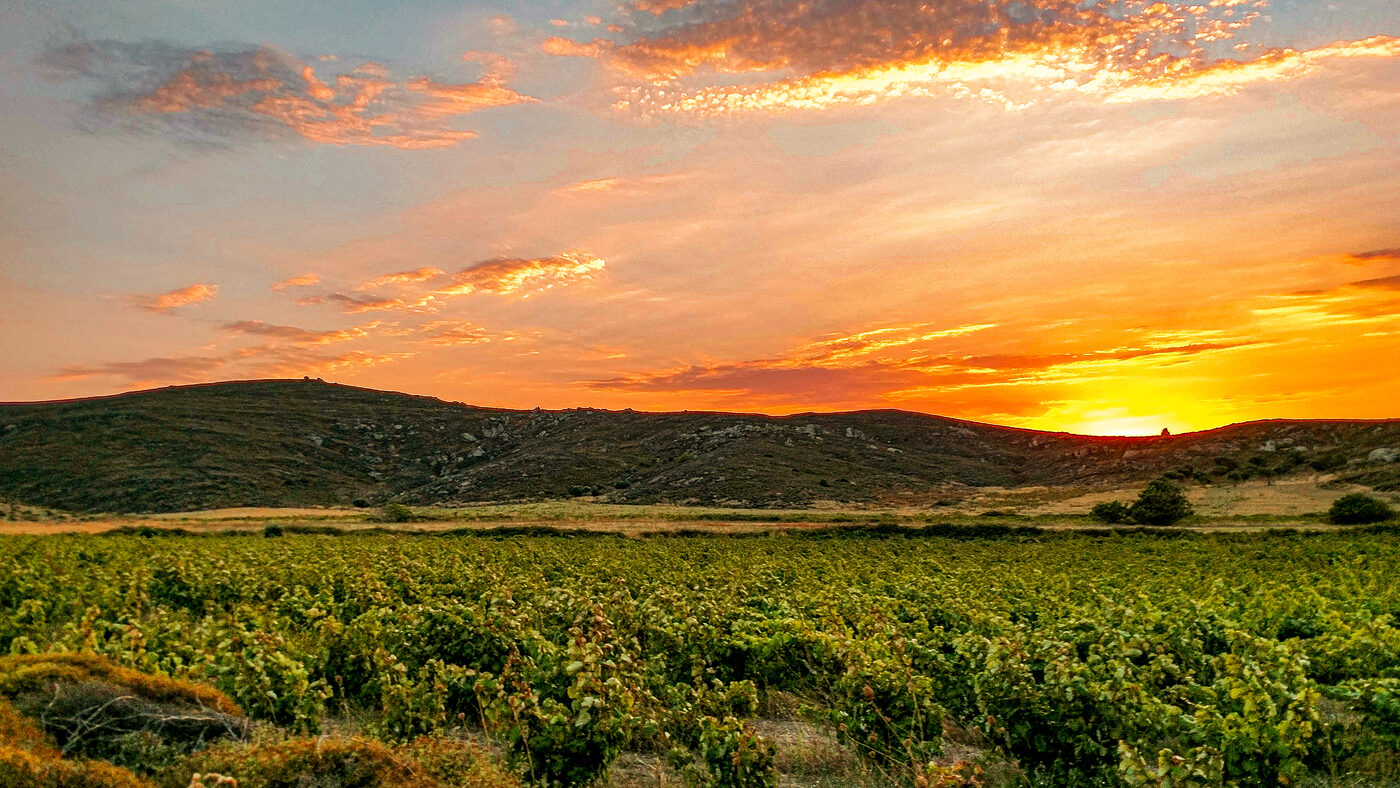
<point>1161,503</point>
<point>1359,509</point>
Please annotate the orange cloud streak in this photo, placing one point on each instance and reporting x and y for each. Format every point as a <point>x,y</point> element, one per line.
<point>823,55</point>
<point>305,280</point>
<point>238,92</point>
<point>164,302</point>
<point>507,276</point>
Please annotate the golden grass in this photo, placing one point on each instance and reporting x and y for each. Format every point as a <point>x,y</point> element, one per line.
<point>25,672</point>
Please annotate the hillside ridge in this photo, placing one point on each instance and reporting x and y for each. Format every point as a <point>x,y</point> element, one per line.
<point>308,442</point>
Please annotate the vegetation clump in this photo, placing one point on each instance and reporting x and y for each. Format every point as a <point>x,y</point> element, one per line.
<point>1160,503</point>
<point>396,513</point>
<point>1359,509</point>
<point>1113,512</point>
<point>91,708</point>
<point>344,763</point>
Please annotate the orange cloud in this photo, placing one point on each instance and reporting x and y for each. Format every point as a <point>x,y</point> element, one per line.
<point>257,361</point>
<point>905,364</point>
<point>189,89</point>
<point>632,185</point>
<point>776,55</point>
<point>401,278</point>
<point>305,280</point>
<point>164,302</point>
<point>356,305</point>
<point>876,340</point>
<point>515,275</point>
<point>659,7</point>
<point>178,369</point>
<point>453,333</point>
<point>564,47</point>
<point>507,276</point>
<point>1375,255</point>
<point>263,91</point>
<point>299,335</point>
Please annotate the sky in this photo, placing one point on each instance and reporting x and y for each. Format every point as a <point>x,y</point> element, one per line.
<point>1090,216</point>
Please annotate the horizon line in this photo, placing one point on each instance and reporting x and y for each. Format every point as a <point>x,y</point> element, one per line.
<point>759,414</point>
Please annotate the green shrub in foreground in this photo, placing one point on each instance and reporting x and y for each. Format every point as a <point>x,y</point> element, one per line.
<point>1359,509</point>
<point>1161,503</point>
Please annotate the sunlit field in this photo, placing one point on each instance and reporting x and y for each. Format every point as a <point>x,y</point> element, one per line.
<point>833,657</point>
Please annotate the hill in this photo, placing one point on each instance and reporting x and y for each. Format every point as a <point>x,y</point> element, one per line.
<point>305,442</point>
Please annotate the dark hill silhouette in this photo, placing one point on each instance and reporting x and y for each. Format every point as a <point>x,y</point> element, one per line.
<point>305,442</point>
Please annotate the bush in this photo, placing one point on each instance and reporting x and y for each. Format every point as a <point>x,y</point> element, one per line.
<point>1359,509</point>
<point>396,513</point>
<point>1111,512</point>
<point>272,530</point>
<point>94,709</point>
<point>1161,503</point>
<point>345,763</point>
<point>23,769</point>
<point>29,672</point>
<point>1328,462</point>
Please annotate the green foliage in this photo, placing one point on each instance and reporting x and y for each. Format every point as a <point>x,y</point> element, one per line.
<point>1200,767</point>
<point>1160,503</point>
<point>269,682</point>
<point>1111,512</point>
<point>713,746</point>
<point>1196,660</point>
<point>733,756</point>
<point>564,710</point>
<point>1359,509</point>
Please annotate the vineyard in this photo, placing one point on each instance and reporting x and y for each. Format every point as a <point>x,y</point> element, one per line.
<point>1056,660</point>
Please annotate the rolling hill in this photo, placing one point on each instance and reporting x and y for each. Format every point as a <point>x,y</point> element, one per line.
<point>305,442</point>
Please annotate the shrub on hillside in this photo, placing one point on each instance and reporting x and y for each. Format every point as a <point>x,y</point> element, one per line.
<point>1359,509</point>
<point>1161,503</point>
<point>396,513</point>
<point>1111,512</point>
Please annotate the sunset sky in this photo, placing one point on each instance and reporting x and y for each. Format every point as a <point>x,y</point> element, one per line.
<point>1103,217</point>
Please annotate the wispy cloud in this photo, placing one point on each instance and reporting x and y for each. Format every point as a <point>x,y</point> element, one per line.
<point>899,363</point>
<point>305,280</point>
<point>164,302</point>
<point>209,96</point>
<point>401,278</point>
<point>1376,255</point>
<point>255,361</point>
<point>516,275</point>
<point>300,335</point>
<point>721,58</point>
<point>162,369</point>
<point>453,333</point>
<point>511,276</point>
